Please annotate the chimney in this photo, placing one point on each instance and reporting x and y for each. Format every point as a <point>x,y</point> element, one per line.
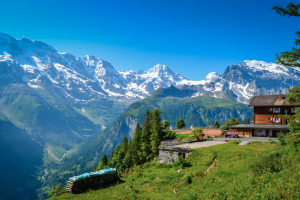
<point>280,96</point>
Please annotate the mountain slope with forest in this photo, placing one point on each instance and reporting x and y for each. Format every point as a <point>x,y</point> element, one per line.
<point>197,111</point>
<point>21,160</point>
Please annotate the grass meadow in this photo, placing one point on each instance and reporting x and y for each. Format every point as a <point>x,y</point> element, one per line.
<point>236,174</point>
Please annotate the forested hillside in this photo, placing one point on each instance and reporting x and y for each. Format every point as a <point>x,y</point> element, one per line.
<point>21,158</point>
<point>199,111</point>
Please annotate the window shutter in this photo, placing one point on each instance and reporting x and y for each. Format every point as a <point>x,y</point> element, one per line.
<point>273,110</point>
<point>278,119</point>
<point>279,110</point>
<point>292,110</point>
<point>274,119</point>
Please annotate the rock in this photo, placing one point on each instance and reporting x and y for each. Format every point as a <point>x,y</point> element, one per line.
<point>179,171</point>
<point>128,187</point>
<point>175,191</point>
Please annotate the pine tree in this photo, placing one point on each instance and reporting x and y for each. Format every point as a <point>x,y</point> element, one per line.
<point>127,162</point>
<point>156,131</point>
<point>145,139</point>
<point>103,163</point>
<point>124,144</point>
<point>289,58</point>
<point>136,144</point>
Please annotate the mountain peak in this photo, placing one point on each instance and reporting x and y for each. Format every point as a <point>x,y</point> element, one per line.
<point>211,76</point>
<point>159,68</point>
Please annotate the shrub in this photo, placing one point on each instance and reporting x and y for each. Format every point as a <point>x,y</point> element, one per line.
<point>198,132</point>
<point>55,191</point>
<point>169,135</point>
<point>281,138</point>
<point>274,162</point>
<point>293,139</point>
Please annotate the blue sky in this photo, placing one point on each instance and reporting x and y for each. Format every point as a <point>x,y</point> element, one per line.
<point>192,37</point>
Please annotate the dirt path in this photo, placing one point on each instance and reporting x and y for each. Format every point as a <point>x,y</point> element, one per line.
<point>212,164</point>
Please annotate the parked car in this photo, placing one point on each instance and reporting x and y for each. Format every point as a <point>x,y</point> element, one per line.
<point>231,133</point>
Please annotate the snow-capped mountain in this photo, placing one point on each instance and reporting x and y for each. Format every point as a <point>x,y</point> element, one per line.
<point>40,66</point>
<point>79,78</point>
<point>246,79</point>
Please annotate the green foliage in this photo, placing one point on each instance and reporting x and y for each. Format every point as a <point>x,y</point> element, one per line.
<point>293,139</point>
<point>180,124</point>
<point>248,120</point>
<point>169,135</point>
<point>289,58</point>
<point>142,147</point>
<point>233,121</point>
<point>103,163</point>
<point>281,138</point>
<point>166,124</point>
<point>224,127</point>
<point>197,132</point>
<point>216,124</point>
<point>156,131</point>
<point>145,149</point>
<point>271,163</point>
<point>55,190</point>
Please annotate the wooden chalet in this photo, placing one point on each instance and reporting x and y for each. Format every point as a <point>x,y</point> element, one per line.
<point>267,121</point>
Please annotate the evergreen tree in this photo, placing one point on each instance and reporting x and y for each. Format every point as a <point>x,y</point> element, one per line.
<point>156,131</point>
<point>103,163</point>
<point>180,123</point>
<point>145,138</point>
<point>216,124</point>
<point>166,124</point>
<point>127,162</point>
<point>289,58</point>
<point>136,144</point>
<point>124,144</point>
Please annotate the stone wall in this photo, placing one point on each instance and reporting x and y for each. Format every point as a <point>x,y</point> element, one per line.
<point>169,155</point>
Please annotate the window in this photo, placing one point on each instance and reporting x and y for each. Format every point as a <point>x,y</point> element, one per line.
<point>277,110</point>
<point>270,119</point>
<point>276,119</point>
<point>293,110</point>
<point>285,112</point>
<point>260,131</point>
<point>270,109</point>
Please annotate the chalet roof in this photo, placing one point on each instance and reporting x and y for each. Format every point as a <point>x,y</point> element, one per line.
<point>270,100</point>
<point>261,126</point>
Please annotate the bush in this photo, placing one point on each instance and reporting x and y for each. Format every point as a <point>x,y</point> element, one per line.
<point>281,138</point>
<point>198,132</point>
<point>293,139</point>
<point>169,135</point>
<point>274,162</point>
<point>55,191</point>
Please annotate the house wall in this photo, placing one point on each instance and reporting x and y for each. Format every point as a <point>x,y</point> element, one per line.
<point>262,114</point>
<point>245,132</point>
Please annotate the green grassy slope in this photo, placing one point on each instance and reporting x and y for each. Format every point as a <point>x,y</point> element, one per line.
<point>20,158</point>
<point>231,177</point>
